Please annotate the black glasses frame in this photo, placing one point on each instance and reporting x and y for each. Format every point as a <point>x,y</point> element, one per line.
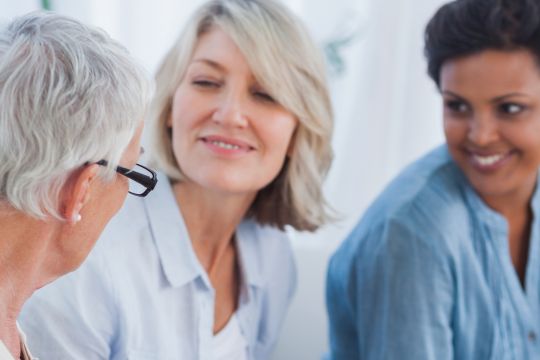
<point>149,182</point>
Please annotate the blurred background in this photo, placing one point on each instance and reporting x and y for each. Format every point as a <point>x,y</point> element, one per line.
<point>387,111</point>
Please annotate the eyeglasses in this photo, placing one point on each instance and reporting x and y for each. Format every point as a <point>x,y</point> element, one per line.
<point>143,179</point>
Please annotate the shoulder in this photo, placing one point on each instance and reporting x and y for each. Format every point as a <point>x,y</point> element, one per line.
<point>130,236</point>
<point>423,206</point>
<point>267,257</point>
<point>269,245</point>
<point>130,221</point>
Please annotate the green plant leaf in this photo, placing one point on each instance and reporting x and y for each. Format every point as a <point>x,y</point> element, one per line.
<point>46,5</point>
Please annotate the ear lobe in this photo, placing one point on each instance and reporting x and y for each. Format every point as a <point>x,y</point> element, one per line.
<point>79,192</point>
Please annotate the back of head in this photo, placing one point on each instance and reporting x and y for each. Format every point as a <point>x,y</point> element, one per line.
<point>466,27</point>
<point>288,65</point>
<point>69,94</point>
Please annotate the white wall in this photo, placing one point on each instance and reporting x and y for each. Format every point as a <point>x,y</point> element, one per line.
<point>387,114</point>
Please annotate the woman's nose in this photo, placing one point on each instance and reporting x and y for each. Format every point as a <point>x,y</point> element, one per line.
<point>483,130</point>
<point>229,110</point>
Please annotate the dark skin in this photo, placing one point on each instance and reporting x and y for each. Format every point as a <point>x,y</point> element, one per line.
<point>492,128</point>
<point>519,236</point>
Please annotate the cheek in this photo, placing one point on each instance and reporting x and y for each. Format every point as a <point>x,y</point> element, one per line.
<point>181,130</point>
<point>454,131</point>
<point>282,132</point>
<point>119,187</point>
<point>183,108</point>
<point>522,136</point>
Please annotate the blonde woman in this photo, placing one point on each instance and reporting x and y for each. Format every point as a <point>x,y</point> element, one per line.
<point>203,270</point>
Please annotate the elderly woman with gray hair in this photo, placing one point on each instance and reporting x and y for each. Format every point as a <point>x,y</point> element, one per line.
<point>71,105</point>
<point>241,124</point>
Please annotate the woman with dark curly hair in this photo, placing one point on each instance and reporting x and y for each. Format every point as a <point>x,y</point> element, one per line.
<point>445,264</point>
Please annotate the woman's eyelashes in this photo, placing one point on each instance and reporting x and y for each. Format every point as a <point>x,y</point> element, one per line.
<point>206,83</point>
<point>510,109</point>
<point>506,109</point>
<point>263,95</point>
<point>456,106</point>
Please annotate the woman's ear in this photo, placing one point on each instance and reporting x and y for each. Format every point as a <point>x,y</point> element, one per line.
<point>78,192</point>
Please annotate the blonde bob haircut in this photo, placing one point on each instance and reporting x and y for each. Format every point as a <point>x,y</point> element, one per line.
<point>289,66</point>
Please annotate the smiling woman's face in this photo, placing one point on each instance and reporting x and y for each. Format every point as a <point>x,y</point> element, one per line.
<point>228,133</point>
<point>492,121</point>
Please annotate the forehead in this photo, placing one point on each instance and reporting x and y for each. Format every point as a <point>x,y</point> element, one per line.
<point>218,47</point>
<point>491,72</point>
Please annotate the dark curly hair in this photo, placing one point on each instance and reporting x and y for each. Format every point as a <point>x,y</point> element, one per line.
<point>466,27</point>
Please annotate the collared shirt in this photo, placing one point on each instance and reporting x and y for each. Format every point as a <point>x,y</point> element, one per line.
<point>427,274</point>
<point>4,352</point>
<point>142,293</point>
<point>229,343</point>
<point>25,353</point>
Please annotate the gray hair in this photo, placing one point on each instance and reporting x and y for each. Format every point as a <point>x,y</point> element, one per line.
<point>69,94</point>
<point>291,68</point>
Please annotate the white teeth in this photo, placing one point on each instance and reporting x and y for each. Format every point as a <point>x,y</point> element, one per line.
<point>224,145</point>
<point>488,160</point>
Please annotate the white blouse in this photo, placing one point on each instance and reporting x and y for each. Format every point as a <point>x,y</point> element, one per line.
<point>143,294</point>
<point>230,343</point>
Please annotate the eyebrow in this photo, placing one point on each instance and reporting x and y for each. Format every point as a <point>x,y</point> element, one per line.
<point>210,63</point>
<point>495,100</point>
<point>447,92</point>
<point>502,97</point>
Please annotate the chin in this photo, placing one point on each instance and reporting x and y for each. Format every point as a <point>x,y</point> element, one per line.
<point>229,185</point>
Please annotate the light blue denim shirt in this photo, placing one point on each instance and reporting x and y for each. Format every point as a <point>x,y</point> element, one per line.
<point>142,293</point>
<point>427,274</point>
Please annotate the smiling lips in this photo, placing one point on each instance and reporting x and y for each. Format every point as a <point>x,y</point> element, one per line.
<point>489,162</point>
<point>226,146</point>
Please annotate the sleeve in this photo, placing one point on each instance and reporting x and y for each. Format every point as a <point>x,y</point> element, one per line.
<point>394,300</point>
<point>73,317</point>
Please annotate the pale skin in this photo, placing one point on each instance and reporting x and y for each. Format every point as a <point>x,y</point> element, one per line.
<point>230,139</point>
<point>212,219</point>
<point>492,109</point>
<point>34,252</point>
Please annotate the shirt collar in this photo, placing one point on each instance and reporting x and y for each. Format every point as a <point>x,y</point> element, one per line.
<point>247,239</point>
<point>486,214</point>
<point>4,352</point>
<point>170,234</point>
<point>25,353</point>
<point>535,202</point>
<point>178,259</point>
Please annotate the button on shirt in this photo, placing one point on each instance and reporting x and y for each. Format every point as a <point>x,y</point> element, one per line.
<point>427,274</point>
<point>142,293</point>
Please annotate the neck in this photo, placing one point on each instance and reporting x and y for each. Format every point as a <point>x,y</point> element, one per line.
<point>515,207</point>
<point>23,244</point>
<point>512,204</point>
<point>211,219</point>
